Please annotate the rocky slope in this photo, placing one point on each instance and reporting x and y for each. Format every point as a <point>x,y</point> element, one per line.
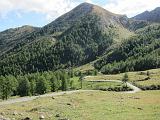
<point>151,16</point>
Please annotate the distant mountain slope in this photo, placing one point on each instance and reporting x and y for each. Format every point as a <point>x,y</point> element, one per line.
<point>11,37</point>
<point>140,52</point>
<point>152,16</point>
<point>76,38</point>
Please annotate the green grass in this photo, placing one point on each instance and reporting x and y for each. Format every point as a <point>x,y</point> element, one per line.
<point>133,76</point>
<point>90,106</point>
<point>94,85</point>
<point>97,105</point>
<point>149,82</point>
<point>99,85</point>
<point>136,77</point>
<point>85,68</point>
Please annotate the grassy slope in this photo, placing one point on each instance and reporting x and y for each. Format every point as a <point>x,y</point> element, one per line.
<point>133,77</point>
<point>96,105</point>
<point>91,106</point>
<point>94,85</point>
<point>85,68</point>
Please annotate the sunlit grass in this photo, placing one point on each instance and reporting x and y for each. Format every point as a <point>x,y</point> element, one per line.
<point>137,77</point>
<point>90,106</point>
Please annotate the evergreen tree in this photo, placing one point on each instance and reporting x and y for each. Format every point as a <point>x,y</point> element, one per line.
<point>125,79</point>
<point>64,86</point>
<point>7,86</point>
<point>42,85</point>
<point>24,87</point>
<point>13,84</point>
<point>54,84</point>
<point>2,87</point>
<point>32,87</point>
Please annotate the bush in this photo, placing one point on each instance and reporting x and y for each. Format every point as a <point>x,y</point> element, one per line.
<point>151,87</point>
<point>117,89</point>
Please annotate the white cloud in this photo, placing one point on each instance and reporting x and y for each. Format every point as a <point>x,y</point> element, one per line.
<point>88,1</point>
<point>54,8</point>
<point>5,7</point>
<point>51,8</point>
<point>131,7</point>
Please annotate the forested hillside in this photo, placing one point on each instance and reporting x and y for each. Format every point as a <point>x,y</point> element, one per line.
<point>78,37</point>
<point>72,42</point>
<point>11,37</point>
<point>139,52</point>
<point>39,60</point>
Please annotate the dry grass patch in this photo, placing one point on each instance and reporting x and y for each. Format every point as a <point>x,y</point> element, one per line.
<point>90,106</point>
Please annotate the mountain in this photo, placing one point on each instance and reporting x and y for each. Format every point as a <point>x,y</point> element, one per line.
<point>11,37</point>
<point>152,16</point>
<point>71,18</point>
<point>139,52</point>
<point>76,38</point>
<point>67,20</point>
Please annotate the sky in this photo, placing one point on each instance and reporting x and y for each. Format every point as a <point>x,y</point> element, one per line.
<point>16,13</point>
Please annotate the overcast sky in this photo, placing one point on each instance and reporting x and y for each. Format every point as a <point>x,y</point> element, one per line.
<point>14,13</point>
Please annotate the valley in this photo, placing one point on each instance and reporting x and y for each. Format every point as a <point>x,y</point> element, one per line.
<point>88,64</point>
<point>81,104</point>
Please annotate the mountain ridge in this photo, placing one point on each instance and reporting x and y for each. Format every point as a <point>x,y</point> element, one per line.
<point>75,14</point>
<point>12,36</point>
<point>75,38</point>
<point>151,16</point>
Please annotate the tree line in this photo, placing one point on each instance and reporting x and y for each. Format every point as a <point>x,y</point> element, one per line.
<point>40,82</point>
<point>35,84</point>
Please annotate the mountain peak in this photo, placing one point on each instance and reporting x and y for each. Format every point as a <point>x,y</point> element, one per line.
<point>151,16</point>
<point>69,18</point>
<point>106,18</point>
<point>95,8</point>
<point>86,4</point>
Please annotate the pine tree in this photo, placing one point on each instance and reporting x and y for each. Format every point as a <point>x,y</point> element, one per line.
<point>64,83</point>
<point>2,87</point>
<point>125,79</point>
<point>54,84</point>
<point>7,86</point>
<point>42,85</point>
<point>24,87</point>
<point>32,87</point>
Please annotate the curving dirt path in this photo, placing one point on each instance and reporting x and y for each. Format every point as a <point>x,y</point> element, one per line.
<point>24,99</point>
<point>135,89</point>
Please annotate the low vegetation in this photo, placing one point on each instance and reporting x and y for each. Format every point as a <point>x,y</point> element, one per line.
<point>104,86</point>
<point>69,54</point>
<point>146,80</point>
<point>89,106</point>
<point>45,82</point>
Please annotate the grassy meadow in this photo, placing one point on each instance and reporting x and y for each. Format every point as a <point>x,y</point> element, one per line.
<point>134,77</point>
<point>97,105</point>
<point>86,85</point>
